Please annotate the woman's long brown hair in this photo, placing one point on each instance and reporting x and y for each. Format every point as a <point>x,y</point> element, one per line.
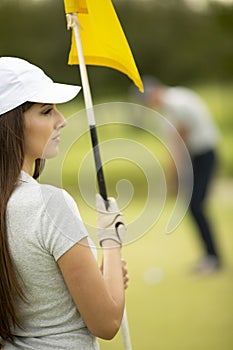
<point>11,162</point>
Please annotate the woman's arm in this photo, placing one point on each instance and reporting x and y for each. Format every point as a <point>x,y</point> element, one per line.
<point>99,297</point>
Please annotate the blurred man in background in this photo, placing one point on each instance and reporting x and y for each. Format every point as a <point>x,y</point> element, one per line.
<point>192,119</point>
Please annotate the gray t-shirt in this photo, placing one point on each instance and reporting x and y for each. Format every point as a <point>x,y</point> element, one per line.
<point>184,108</point>
<point>43,222</point>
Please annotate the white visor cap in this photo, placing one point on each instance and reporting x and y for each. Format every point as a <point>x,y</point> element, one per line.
<point>21,81</point>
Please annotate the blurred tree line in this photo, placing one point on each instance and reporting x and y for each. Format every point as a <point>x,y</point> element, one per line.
<point>178,44</point>
<point>168,38</point>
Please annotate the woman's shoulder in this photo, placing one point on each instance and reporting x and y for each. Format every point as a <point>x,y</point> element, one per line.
<point>30,191</point>
<point>56,195</point>
<point>58,200</point>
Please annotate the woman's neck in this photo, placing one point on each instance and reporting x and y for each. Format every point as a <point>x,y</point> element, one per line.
<point>28,166</point>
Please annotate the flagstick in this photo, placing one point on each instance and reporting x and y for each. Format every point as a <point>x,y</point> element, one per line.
<point>72,21</point>
<point>125,332</point>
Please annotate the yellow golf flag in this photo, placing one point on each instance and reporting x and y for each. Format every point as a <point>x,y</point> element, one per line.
<point>103,40</point>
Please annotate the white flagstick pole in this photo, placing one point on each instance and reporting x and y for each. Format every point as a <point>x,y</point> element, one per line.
<point>125,332</point>
<point>72,22</point>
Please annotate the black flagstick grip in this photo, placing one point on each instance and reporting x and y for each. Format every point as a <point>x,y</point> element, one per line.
<point>98,164</point>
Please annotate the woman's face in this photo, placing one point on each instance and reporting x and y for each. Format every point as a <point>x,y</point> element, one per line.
<point>42,131</point>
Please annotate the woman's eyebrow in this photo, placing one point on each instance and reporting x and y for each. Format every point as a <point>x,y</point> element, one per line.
<point>46,104</point>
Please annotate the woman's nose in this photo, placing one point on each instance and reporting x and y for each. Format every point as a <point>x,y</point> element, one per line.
<point>61,123</point>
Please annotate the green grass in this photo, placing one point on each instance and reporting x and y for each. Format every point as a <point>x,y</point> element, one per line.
<point>169,308</point>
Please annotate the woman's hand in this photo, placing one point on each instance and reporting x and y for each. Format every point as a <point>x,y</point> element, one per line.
<point>110,222</point>
<point>124,273</point>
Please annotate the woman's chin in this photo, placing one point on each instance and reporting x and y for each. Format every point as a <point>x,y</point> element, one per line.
<point>50,153</point>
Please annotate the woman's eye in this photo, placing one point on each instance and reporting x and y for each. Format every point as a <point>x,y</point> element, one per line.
<point>47,111</point>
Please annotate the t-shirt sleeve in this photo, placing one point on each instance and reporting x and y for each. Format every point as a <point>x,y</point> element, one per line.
<point>62,223</point>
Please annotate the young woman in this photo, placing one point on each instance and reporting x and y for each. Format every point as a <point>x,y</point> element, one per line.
<point>53,295</point>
